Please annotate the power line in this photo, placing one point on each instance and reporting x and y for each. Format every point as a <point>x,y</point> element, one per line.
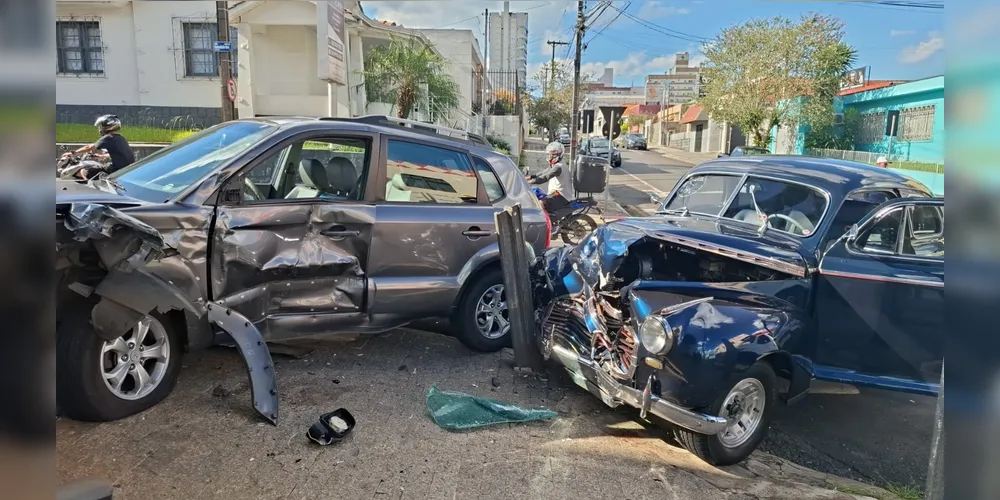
<point>609,23</point>
<point>662,29</point>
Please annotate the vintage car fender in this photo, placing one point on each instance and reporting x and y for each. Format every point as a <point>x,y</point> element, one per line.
<point>721,330</point>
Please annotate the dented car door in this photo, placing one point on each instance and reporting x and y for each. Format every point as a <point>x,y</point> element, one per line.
<point>292,257</point>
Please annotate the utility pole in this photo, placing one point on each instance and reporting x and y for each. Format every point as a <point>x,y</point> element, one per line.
<point>576,87</point>
<point>225,60</point>
<point>552,66</point>
<point>486,60</point>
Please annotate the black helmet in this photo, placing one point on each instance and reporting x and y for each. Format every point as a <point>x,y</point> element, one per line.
<point>108,123</point>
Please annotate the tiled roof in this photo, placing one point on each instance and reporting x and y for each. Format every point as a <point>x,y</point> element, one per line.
<point>693,114</point>
<point>642,109</point>
<point>871,85</point>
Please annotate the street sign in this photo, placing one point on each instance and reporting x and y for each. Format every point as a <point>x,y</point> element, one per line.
<point>224,47</point>
<point>231,89</point>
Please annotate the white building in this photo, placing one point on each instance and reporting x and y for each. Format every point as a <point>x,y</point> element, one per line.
<point>153,62</point>
<point>508,43</point>
<point>679,85</point>
<point>465,65</point>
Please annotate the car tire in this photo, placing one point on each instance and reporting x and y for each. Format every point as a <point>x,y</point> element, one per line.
<point>727,448</point>
<point>474,309</point>
<point>81,390</point>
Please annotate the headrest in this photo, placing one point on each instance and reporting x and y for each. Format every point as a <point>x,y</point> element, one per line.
<point>342,173</point>
<point>313,174</point>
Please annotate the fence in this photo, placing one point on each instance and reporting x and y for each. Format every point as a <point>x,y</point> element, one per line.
<point>506,90</point>
<point>898,161</point>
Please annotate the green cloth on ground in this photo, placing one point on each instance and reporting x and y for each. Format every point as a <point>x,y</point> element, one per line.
<point>457,411</point>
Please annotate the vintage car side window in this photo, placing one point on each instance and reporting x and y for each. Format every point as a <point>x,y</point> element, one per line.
<point>924,232</point>
<point>418,173</point>
<point>317,168</point>
<point>704,194</point>
<point>494,189</point>
<point>792,208</point>
<point>882,237</point>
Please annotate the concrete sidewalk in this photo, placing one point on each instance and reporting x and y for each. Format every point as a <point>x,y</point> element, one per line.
<point>685,157</point>
<point>205,441</point>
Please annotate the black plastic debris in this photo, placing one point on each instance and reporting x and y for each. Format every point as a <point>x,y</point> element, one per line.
<point>332,427</point>
<point>456,411</point>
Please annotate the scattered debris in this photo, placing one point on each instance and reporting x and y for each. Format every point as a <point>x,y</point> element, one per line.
<point>495,381</point>
<point>290,350</point>
<point>402,368</point>
<point>460,411</point>
<point>336,381</point>
<point>221,392</point>
<point>331,427</point>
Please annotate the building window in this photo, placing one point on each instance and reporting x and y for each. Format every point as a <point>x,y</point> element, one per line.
<point>916,124</point>
<point>200,58</point>
<point>872,128</point>
<point>78,47</point>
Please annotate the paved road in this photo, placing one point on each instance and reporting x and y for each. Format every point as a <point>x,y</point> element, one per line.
<point>871,435</point>
<point>643,173</point>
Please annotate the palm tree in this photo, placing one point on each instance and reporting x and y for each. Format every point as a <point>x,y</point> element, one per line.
<point>407,72</point>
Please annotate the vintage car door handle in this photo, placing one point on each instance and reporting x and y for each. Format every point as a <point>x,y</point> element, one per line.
<point>475,232</point>
<point>340,232</point>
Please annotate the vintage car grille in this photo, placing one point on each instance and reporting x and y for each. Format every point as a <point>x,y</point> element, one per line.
<point>564,320</point>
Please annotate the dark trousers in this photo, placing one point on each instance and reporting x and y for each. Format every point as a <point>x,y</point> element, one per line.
<point>554,202</point>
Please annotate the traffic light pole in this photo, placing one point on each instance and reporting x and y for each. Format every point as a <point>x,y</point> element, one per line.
<point>611,158</point>
<point>575,125</point>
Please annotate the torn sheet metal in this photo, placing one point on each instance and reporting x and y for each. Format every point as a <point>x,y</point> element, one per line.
<point>456,411</point>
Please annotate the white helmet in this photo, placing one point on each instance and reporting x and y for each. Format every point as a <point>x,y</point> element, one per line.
<point>555,148</point>
<point>882,159</point>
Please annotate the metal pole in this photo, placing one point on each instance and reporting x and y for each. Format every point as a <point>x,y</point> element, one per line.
<point>517,283</point>
<point>611,154</point>
<point>225,60</point>
<point>486,60</point>
<point>574,136</point>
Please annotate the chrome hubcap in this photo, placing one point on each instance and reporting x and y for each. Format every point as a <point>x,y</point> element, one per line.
<point>744,409</point>
<point>134,364</point>
<point>491,313</point>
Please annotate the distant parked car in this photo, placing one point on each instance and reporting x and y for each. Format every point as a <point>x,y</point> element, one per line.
<point>600,147</point>
<point>746,151</point>
<point>565,139</point>
<point>635,141</point>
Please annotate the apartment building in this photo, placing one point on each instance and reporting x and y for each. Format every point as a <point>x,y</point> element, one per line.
<point>678,85</point>
<point>508,43</point>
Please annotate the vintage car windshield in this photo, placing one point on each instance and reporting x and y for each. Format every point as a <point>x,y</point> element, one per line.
<point>162,175</point>
<point>789,207</point>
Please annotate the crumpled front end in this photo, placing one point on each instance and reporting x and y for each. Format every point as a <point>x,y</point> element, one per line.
<point>114,263</point>
<point>638,320</point>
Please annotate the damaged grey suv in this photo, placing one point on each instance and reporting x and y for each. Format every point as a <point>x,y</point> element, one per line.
<point>288,228</point>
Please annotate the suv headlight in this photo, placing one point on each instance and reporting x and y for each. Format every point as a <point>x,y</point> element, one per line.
<point>656,335</point>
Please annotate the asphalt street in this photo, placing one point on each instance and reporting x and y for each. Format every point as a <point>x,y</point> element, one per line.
<point>875,436</point>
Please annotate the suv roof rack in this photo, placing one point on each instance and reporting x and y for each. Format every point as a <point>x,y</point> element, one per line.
<point>418,126</point>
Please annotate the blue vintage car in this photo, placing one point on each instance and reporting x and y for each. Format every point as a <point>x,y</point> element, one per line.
<point>755,270</point>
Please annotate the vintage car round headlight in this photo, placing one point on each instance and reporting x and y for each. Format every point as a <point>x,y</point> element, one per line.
<point>656,335</point>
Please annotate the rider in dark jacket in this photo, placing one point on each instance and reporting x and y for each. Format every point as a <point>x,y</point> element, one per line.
<point>114,146</point>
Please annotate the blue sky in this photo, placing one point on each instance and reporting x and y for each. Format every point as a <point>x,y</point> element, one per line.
<point>898,43</point>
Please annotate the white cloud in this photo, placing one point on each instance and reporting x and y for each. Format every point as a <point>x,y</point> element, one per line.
<point>895,33</point>
<point>656,10</point>
<point>921,51</point>
<point>635,65</point>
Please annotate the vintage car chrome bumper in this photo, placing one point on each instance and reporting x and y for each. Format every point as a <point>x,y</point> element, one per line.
<point>614,393</point>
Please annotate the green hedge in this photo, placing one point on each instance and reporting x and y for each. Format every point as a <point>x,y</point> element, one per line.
<point>81,133</point>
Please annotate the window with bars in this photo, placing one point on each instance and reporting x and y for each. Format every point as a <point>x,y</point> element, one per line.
<point>916,124</point>
<point>78,48</point>
<point>200,58</point>
<point>872,128</point>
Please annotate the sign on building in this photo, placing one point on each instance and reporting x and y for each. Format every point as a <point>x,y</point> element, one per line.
<point>331,40</point>
<point>854,78</point>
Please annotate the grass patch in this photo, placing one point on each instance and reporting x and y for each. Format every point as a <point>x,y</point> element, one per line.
<point>907,492</point>
<point>85,134</point>
<point>920,167</point>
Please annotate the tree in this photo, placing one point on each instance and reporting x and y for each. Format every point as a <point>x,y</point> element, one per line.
<point>405,73</point>
<point>551,107</point>
<point>755,73</point>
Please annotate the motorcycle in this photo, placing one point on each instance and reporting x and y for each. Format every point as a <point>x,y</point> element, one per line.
<point>571,221</point>
<point>70,167</point>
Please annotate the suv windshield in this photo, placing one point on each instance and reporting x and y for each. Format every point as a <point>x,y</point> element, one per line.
<point>169,171</point>
<point>599,142</point>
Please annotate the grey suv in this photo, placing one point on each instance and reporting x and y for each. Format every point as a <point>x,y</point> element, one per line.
<point>303,226</point>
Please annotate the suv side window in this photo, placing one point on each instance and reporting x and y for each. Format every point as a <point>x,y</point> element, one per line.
<point>418,173</point>
<point>494,189</point>
<point>326,168</point>
<point>884,236</point>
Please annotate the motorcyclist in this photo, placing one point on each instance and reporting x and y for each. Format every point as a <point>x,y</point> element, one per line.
<point>560,187</point>
<point>115,147</point>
